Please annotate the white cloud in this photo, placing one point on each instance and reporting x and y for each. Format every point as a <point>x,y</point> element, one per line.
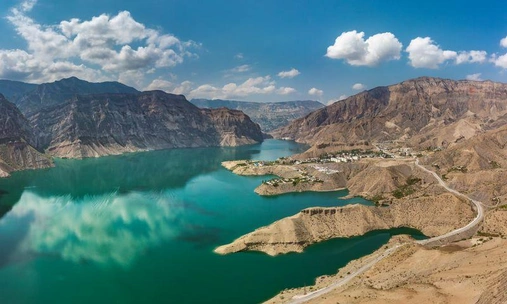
<point>289,74</point>
<point>315,92</point>
<point>103,47</point>
<point>500,61</point>
<point>159,84</point>
<point>503,42</point>
<point>285,91</point>
<point>471,57</point>
<point>352,47</point>
<point>358,86</point>
<point>423,53</point>
<point>476,77</point>
<point>258,85</point>
<point>239,56</point>
<point>240,69</point>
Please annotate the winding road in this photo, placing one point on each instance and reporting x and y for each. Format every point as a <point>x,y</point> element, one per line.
<point>480,215</point>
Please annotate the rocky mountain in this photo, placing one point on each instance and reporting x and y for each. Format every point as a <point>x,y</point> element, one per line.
<point>17,142</point>
<point>269,115</point>
<point>31,98</point>
<point>423,112</point>
<point>12,90</point>
<point>104,124</point>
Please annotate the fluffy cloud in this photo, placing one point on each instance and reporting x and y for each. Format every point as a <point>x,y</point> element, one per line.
<point>285,91</point>
<point>116,44</point>
<point>424,53</point>
<point>183,88</point>
<point>342,97</point>
<point>500,61</point>
<point>503,42</point>
<point>476,77</point>
<point>358,86</point>
<point>257,85</point>
<point>315,92</point>
<point>289,74</point>
<point>471,57</point>
<point>352,47</point>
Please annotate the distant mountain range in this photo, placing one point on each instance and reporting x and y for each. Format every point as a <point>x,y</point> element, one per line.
<point>269,115</point>
<point>75,118</point>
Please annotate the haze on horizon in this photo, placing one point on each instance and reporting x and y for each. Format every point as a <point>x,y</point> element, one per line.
<point>254,50</point>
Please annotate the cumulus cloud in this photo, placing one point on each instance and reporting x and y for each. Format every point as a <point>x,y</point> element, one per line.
<point>358,86</point>
<point>289,74</point>
<point>315,92</point>
<point>116,44</point>
<point>351,47</point>
<point>476,77</point>
<point>160,84</point>
<point>471,57</point>
<point>285,91</point>
<point>500,61</point>
<point>425,53</point>
<point>503,42</point>
<point>252,86</point>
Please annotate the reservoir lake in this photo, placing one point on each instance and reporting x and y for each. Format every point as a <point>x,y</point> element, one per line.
<point>141,228</point>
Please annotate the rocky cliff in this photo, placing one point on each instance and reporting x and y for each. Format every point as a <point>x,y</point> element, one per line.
<point>104,124</point>
<point>269,115</point>
<point>17,142</point>
<point>423,112</point>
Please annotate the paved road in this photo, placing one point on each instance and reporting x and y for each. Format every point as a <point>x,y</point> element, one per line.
<point>478,205</point>
<point>345,280</point>
<point>480,215</point>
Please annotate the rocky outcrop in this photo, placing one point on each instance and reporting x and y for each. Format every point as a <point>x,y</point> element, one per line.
<point>17,142</point>
<point>422,112</point>
<point>269,115</point>
<point>293,234</point>
<point>96,125</point>
<point>234,127</point>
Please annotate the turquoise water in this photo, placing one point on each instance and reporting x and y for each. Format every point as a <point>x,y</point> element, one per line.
<point>141,228</point>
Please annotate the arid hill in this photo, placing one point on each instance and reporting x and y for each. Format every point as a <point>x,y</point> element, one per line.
<point>423,112</point>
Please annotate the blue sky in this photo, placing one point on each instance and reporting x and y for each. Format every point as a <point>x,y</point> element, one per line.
<point>253,50</point>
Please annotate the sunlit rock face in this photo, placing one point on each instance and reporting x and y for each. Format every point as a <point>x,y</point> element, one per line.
<point>107,229</point>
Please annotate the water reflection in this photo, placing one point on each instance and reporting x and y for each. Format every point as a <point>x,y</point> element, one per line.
<point>107,229</point>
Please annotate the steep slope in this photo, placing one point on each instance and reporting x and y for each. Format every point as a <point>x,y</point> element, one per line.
<point>17,143</point>
<point>49,94</point>
<point>96,125</point>
<point>234,127</point>
<point>269,115</point>
<point>415,111</point>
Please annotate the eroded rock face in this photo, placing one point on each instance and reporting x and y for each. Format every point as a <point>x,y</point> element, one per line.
<point>96,125</point>
<point>423,112</point>
<point>17,142</point>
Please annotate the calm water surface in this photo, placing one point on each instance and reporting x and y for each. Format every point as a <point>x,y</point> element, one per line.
<point>142,228</point>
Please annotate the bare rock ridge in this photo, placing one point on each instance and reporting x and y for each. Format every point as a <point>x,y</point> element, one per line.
<point>104,124</point>
<point>17,143</point>
<point>269,115</point>
<point>422,112</point>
